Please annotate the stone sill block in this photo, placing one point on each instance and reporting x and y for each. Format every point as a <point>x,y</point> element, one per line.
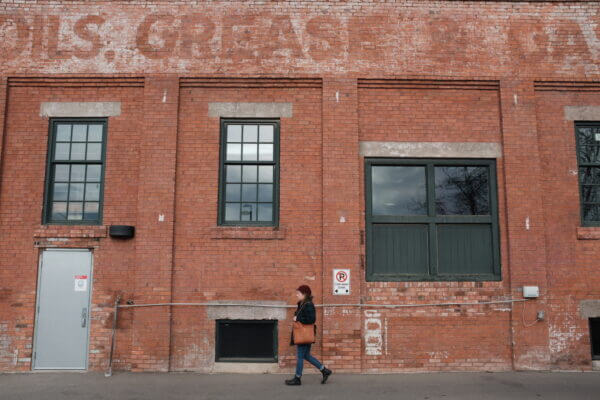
<point>63,231</point>
<point>588,233</point>
<point>245,368</point>
<point>248,233</point>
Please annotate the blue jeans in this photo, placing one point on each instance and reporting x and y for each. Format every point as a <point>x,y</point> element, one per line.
<point>304,354</point>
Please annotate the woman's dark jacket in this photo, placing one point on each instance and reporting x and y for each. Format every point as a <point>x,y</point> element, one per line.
<point>306,314</point>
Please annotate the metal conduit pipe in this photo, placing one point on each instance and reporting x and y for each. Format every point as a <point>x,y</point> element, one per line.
<point>474,303</point>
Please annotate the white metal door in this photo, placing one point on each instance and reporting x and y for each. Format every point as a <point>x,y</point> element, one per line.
<point>62,314</point>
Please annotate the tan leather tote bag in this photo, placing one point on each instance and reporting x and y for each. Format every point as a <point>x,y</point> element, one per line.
<point>303,333</point>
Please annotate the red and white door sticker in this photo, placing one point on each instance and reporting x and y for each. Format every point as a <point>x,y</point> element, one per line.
<point>341,281</point>
<point>81,283</point>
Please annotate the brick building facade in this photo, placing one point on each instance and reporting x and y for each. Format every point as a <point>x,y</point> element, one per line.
<point>348,87</point>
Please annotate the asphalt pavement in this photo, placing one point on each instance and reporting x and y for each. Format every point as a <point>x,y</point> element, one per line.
<point>183,386</point>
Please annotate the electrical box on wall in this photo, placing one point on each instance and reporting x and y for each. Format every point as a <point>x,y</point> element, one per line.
<point>531,292</point>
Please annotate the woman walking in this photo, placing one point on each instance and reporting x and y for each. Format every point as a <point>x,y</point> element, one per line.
<point>306,315</point>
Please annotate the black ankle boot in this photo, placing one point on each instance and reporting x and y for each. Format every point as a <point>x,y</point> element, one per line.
<point>295,381</point>
<point>326,372</point>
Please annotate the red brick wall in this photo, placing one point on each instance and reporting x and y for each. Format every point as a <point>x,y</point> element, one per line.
<point>572,261</point>
<point>438,112</point>
<point>211,266</point>
<point>23,174</point>
<point>449,77</point>
<point>430,114</point>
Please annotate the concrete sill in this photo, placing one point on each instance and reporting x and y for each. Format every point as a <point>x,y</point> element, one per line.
<point>248,233</point>
<point>245,368</point>
<point>588,232</point>
<point>71,231</point>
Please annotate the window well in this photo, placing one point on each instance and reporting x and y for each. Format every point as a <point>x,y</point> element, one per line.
<point>595,337</point>
<point>246,340</point>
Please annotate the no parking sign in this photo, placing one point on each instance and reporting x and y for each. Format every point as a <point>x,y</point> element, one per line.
<point>341,281</point>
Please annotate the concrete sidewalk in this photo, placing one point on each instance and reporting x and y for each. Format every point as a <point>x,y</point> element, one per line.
<point>447,386</point>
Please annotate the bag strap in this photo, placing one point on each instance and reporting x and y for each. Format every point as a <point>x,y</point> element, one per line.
<point>300,309</point>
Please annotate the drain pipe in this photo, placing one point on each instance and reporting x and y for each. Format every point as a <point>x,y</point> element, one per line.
<point>108,372</point>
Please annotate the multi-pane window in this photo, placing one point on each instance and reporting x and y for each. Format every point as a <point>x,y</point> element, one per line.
<point>431,220</point>
<point>249,172</point>
<point>75,171</point>
<point>588,157</point>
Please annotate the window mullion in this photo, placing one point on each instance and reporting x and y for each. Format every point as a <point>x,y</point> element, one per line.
<point>430,189</point>
<point>433,253</point>
<point>54,161</point>
<point>432,237</point>
<point>588,165</point>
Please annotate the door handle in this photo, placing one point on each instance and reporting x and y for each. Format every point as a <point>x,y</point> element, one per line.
<point>83,317</point>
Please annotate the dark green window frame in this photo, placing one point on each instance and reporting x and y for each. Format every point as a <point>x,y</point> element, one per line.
<point>430,222</point>
<point>224,163</point>
<point>52,162</point>
<point>588,163</point>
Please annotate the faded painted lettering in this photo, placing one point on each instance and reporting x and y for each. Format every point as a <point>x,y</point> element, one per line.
<point>320,43</point>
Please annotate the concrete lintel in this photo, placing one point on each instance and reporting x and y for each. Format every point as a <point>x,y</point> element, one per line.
<point>247,312</point>
<point>80,109</point>
<point>250,110</point>
<point>431,149</point>
<point>589,308</point>
<point>582,113</point>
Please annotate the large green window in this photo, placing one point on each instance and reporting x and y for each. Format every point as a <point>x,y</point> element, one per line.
<point>249,189</point>
<point>75,171</point>
<point>431,220</point>
<point>588,156</point>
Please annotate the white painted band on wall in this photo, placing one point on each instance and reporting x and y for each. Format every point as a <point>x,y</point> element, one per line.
<point>250,110</point>
<point>582,113</point>
<point>431,149</point>
<point>80,109</point>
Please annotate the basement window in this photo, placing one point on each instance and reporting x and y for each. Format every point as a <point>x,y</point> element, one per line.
<point>595,337</point>
<point>246,340</point>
